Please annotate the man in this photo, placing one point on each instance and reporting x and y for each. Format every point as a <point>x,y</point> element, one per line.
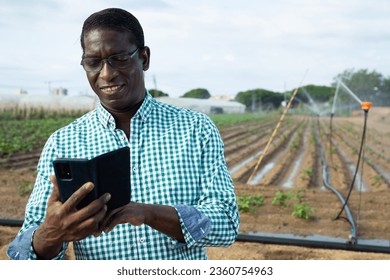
<point>182,196</point>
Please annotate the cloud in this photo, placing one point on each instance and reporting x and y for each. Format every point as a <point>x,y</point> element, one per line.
<point>224,46</point>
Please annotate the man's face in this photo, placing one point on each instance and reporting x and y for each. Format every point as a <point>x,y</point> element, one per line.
<point>119,90</point>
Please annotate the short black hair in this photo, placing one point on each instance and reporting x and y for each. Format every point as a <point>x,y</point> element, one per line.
<point>114,19</point>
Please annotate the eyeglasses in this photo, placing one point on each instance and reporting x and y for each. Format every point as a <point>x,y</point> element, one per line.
<point>116,61</point>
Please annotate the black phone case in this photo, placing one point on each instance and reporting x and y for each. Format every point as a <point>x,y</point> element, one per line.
<point>110,172</point>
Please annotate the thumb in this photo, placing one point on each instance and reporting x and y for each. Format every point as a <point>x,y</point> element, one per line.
<point>55,195</point>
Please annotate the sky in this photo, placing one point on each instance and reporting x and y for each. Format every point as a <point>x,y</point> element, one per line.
<point>223,46</point>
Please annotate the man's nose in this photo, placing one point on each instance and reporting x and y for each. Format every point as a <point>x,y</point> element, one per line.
<point>107,72</point>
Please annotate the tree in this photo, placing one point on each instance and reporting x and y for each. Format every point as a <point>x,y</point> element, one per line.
<point>364,84</point>
<point>200,93</point>
<point>316,93</point>
<point>259,98</point>
<point>157,93</point>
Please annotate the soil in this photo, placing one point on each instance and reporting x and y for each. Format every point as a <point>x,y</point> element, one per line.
<point>370,208</point>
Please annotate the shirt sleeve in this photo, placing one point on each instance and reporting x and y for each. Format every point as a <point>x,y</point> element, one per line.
<point>194,224</point>
<point>21,247</point>
<point>214,221</point>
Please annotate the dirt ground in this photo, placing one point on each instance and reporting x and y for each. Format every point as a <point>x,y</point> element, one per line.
<point>373,215</point>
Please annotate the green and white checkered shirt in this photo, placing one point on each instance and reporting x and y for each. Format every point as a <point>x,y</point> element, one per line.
<point>177,159</point>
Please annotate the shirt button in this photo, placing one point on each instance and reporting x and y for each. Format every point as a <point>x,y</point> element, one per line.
<point>122,138</point>
<point>142,240</point>
<point>135,169</point>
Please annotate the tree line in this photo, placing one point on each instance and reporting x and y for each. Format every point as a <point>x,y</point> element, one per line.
<point>367,85</point>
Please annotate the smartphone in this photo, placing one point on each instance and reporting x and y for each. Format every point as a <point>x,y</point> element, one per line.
<point>110,172</point>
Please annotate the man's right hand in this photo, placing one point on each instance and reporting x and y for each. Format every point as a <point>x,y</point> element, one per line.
<point>64,222</point>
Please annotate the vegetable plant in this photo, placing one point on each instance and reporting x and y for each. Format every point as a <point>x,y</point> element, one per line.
<point>246,203</point>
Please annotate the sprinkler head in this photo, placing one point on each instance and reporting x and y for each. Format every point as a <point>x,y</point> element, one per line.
<point>366,105</point>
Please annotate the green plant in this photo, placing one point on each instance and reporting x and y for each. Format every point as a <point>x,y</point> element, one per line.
<point>25,187</point>
<point>308,172</point>
<point>294,145</point>
<point>298,195</point>
<point>226,120</point>
<point>246,203</point>
<point>302,211</point>
<point>281,199</point>
<point>27,135</point>
<point>377,179</point>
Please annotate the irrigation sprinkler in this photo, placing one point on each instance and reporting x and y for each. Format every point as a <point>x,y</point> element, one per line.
<point>366,106</point>
<point>275,130</point>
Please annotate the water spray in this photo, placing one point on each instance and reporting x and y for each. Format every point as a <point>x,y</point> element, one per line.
<point>350,92</point>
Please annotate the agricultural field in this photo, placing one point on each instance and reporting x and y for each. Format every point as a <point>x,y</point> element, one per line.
<point>283,195</point>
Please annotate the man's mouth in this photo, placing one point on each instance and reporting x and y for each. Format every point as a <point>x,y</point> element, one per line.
<point>111,89</point>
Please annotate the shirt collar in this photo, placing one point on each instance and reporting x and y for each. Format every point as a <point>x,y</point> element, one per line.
<point>143,112</point>
<point>146,107</point>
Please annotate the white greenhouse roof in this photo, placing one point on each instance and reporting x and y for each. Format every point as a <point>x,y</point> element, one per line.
<point>196,102</point>
<point>82,102</point>
<point>207,106</point>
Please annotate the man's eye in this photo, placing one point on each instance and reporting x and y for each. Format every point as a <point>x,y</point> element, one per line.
<point>120,58</point>
<point>92,61</point>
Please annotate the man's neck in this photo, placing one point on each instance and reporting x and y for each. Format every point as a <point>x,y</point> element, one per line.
<point>123,117</point>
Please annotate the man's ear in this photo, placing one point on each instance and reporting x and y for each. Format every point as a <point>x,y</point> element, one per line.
<point>145,58</point>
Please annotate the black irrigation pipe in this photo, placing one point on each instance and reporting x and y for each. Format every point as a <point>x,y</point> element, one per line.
<point>357,164</point>
<point>317,241</point>
<point>325,179</point>
<point>11,222</point>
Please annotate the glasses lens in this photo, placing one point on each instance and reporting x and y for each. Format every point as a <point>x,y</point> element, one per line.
<point>119,61</point>
<point>116,61</point>
<point>91,64</point>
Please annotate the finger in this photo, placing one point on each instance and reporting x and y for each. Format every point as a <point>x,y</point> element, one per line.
<point>91,225</point>
<point>78,195</point>
<point>100,217</point>
<point>55,195</point>
<point>94,207</point>
<point>108,219</point>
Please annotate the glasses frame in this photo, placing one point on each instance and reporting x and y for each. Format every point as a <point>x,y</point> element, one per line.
<point>108,60</point>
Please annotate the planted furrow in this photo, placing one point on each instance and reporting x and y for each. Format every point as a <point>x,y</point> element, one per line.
<point>340,176</point>
<point>242,132</point>
<point>286,159</point>
<point>279,142</point>
<point>246,150</point>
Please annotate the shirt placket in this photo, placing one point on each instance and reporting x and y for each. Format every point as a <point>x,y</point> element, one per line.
<point>138,193</point>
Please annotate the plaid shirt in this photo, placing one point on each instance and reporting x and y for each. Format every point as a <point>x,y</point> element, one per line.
<point>177,159</point>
